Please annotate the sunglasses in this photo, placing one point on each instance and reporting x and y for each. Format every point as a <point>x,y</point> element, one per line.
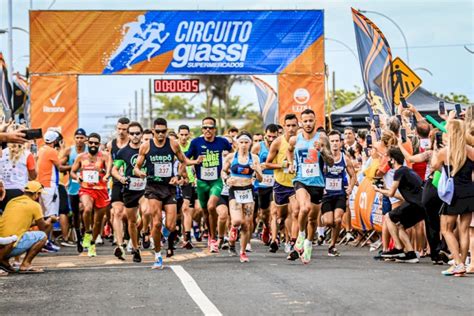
<point>135,133</point>
<point>161,131</point>
<point>94,143</point>
<point>208,127</point>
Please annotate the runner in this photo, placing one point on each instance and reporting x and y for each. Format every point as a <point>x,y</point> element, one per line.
<point>283,191</point>
<point>337,190</point>
<point>242,165</point>
<point>188,189</point>
<point>158,157</point>
<point>116,197</point>
<point>307,151</point>
<point>209,185</point>
<point>91,170</point>
<point>68,158</point>
<point>134,187</point>
<point>265,188</point>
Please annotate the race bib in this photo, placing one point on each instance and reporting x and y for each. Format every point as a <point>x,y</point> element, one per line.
<point>309,170</point>
<point>333,184</point>
<point>90,176</point>
<point>137,184</point>
<point>163,170</point>
<point>243,196</point>
<point>209,174</point>
<point>225,190</point>
<point>268,180</point>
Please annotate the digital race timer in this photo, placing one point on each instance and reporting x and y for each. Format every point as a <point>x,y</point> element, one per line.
<point>176,85</point>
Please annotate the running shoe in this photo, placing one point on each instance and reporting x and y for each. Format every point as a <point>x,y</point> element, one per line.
<point>459,270</point>
<point>158,264</point>
<point>119,253</point>
<point>293,255</point>
<point>80,248</point>
<point>410,257</point>
<point>169,253</point>
<point>376,245</point>
<point>449,271</point>
<point>248,248</point>
<point>243,257</point>
<point>226,244</point>
<point>306,256</point>
<point>470,269</point>
<point>233,234</point>
<point>273,247</point>
<point>107,231</point>
<point>136,255</point>
<point>232,251</point>
<point>50,247</point>
<point>99,240</point>
<point>205,234</point>
<point>129,246</point>
<point>394,253</point>
<point>320,240</point>
<point>436,260</point>
<point>288,247</point>
<point>187,245</point>
<point>266,236</point>
<point>299,243</point>
<point>213,246</point>
<point>146,240</point>
<point>333,252</point>
<point>91,251</point>
<point>86,242</point>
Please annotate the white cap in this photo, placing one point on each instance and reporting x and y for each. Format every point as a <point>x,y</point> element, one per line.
<point>50,137</point>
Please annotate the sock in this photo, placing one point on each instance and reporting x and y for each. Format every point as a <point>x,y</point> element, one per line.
<point>188,236</point>
<point>308,243</point>
<point>320,231</point>
<point>157,255</point>
<point>302,234</point>
<point>171,239</point>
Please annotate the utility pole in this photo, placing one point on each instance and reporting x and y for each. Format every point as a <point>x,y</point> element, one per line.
<point>333,90</point>
<point>129,110</point>
<point>142,108</point>
<point>150,104</point>
<point>136,105</point>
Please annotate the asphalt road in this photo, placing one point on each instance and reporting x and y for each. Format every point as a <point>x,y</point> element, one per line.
<point>269,285</point>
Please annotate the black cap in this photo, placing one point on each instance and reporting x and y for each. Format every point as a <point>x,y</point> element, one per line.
<point>80,131</point>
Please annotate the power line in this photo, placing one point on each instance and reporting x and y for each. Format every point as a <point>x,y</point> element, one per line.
<point>415,47</point>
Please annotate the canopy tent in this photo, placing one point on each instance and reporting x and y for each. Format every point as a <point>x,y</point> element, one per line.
<point>354,113</point>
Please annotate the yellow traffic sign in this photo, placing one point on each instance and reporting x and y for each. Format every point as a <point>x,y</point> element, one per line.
<point>404,80</point>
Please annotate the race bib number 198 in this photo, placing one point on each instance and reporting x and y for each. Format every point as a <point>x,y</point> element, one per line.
<point>243,196</point>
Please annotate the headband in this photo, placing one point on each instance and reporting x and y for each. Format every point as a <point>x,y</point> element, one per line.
<point>244,137</point>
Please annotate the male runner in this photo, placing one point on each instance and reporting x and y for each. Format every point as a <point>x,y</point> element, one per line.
<point>158,157</point>
<point>283,191</point>
<point>265,188</point>
<point>209,183</point>
<point>133,187</point>
<point>116,197</point>
<point>93,166</point>
<point>309,183</point>
<point>337,190</point>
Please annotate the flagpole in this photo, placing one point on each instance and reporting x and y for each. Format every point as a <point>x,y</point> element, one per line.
<point>10,50</point>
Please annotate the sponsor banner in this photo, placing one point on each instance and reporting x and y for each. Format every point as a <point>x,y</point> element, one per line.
<point>299,92</point>
<point>366,207</point>
<point>54,104</point>
<point>176,42</point>
<point>267,100</point>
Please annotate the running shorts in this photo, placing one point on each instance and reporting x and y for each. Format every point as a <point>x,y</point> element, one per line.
<point>316,193</point>
<point>205,189</point>
<point>331,203</point>
<point>165,193</point>
<point>265,197</point>
<point>282,194</point>
<point>100,197</point>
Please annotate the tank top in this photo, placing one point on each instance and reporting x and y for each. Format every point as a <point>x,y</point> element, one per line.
<point>463,185</point>
<point>336,178</point>
<point>113,152</point>
<point>73,186</point>
<point>268,176</point>
<point>189,169</point>
<point>308,162</point>
<point>93,172</point>
<point>14,176</point>
<point>241,170</point>
<point>420,167</point>
<point>281,175</point>
<point>159,162</point>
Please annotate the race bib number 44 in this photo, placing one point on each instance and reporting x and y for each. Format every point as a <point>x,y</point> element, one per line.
<point>137,184</point>
<point>209,174</point>
<point>163,170</point>
<point>309,170</point>
<point>90,176</point>
<point>243,196</point>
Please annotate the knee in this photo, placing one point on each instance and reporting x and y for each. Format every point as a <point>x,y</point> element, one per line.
<point>338,221</point>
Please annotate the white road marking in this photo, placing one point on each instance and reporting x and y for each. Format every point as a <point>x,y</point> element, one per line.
<point>195,292</point>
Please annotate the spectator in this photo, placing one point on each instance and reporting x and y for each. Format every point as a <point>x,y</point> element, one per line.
<point>19,215</point>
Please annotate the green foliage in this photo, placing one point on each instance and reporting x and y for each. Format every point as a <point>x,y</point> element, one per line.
<point>255,124</point>
<point>344,97</point>
<point>454,98</point>
<point>174,107</point>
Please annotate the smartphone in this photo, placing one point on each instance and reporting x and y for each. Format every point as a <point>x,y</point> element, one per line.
<point>377,120</point>
<point>413,122</point>
<point>378,133</point>
<point>442,109</point>
<point>34,133</point>
<point>404,103</point>
<point>403,133</point>
<point>457,106</point>
<point>399,117</point>
<point>369,141</point>
<point>439,139</point>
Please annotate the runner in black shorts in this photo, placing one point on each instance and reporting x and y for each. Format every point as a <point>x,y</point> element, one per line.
<point>133,187</point>
<point>158,157</point>
<point>337,189</point>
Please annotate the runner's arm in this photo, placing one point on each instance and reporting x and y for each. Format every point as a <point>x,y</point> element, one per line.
<point>272,152</point>
<point>352,176</point>
<point>256,149</point>
<point>257,168</point>
<point>75,168</point>
<point>389,192</point>
<point>144,148</point>
<point>115,170</point>
<point>226,168</point>
<point>109,163</point>
<point>64,159</point>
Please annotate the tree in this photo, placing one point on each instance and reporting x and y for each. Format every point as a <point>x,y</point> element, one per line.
<point>255,124</point>
<point>454,98</point>
<point>344,97</point>
<point>174,107</point>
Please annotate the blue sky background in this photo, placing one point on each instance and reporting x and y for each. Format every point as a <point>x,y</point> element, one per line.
<point>436,32</point>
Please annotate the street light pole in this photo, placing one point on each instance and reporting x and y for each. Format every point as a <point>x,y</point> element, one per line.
<point>343,44</point>
<point>396,25</point>
<point>10,48</point>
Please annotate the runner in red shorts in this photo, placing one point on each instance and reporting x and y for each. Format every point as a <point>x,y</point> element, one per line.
<point>90,169</point>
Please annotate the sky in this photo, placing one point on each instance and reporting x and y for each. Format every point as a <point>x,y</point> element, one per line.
<point>436,32</point>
